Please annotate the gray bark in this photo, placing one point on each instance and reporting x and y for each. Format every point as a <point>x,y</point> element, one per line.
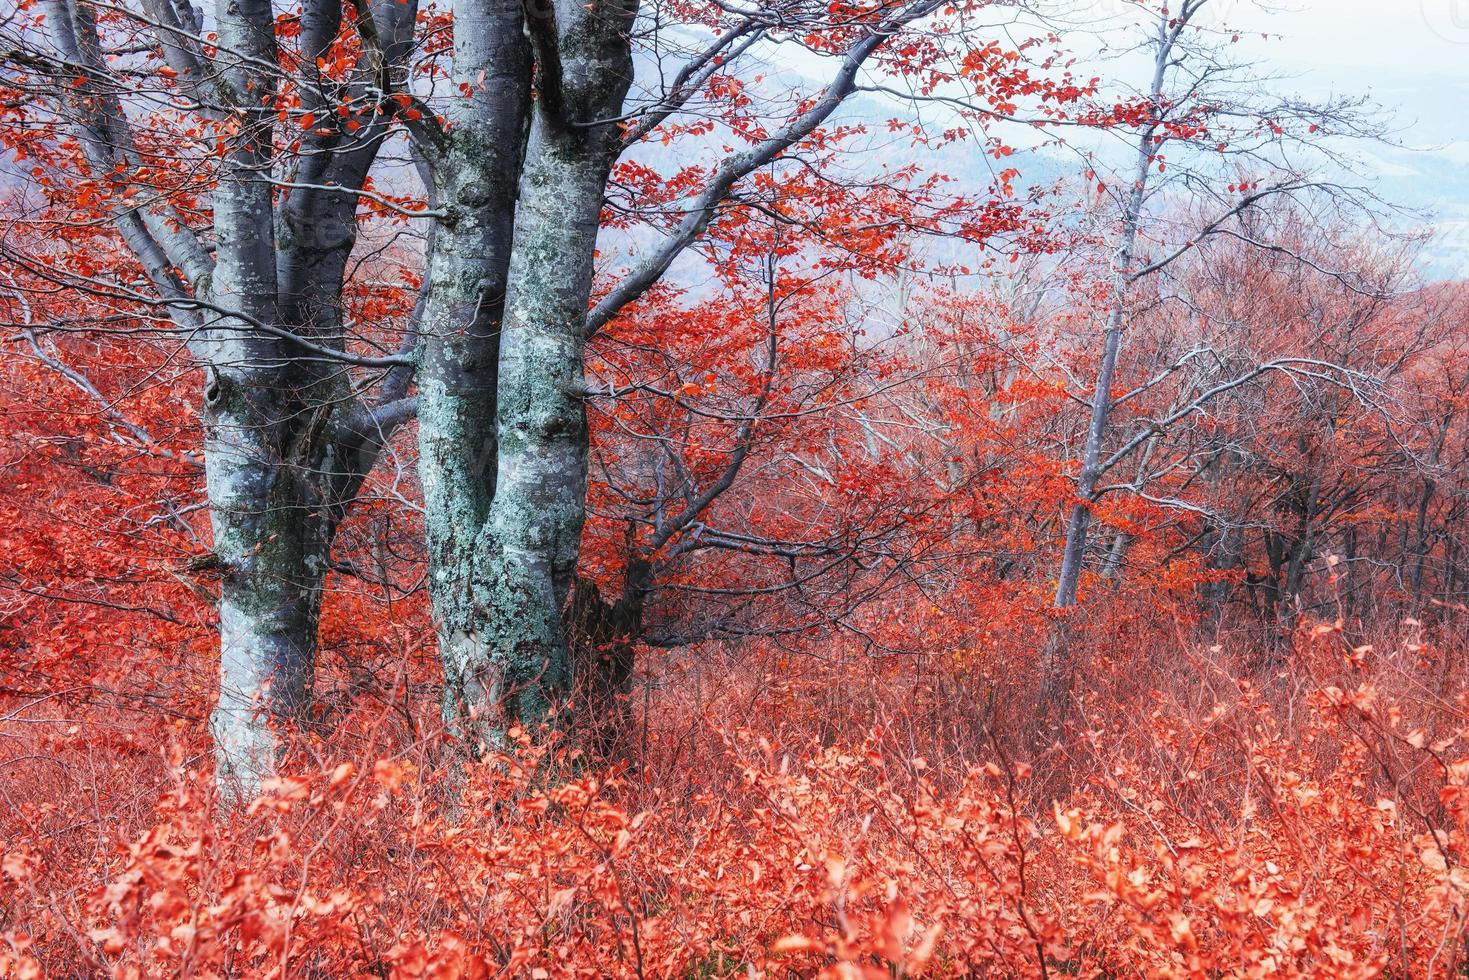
<point>270,545</point>
<point>1059,663</point>
<point>475,169</point>
<point>1074,552</point>
<point>287,442</point>
<point>503,437</point>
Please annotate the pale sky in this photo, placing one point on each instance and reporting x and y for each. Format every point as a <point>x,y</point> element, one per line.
<point>1412,55</point>
<point>1431,36</point>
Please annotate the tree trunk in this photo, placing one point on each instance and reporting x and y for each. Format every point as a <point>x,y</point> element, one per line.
<point>287,440</point>
<point>457,458</point>
<point>1058,660</point>
<point>283,461</point>
<point>265,662</point>
<point>1301,554</point>
<point>602,637</point>
<point>1123,274</point>
<point>1074,551</point>
<point>1116,555</point>
<point>271,542</point>
<point>533,535</point>
<point>504,542</point>
<point>475,174</point>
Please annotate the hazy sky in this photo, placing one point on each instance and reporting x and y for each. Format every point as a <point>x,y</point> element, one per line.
<point>1413,55</point>
<point>1428,35</point>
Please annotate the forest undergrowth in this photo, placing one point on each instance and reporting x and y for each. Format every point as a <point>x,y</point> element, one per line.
<point>1204,811</point>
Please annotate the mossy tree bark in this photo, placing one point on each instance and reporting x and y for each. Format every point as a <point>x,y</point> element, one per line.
<point>288,438</point>
<point>503,431</point>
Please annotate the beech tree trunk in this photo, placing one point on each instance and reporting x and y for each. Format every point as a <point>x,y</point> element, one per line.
<point>283,463</point>
<point>267,624</point>
<point>271,545</point>
<point>1077,527</point>
<point>475,171</point>
<point>1058,660</point>
<point>503,431</point>
<point>502,425</point>
<point>1074,552</point>
<point>287,439</point>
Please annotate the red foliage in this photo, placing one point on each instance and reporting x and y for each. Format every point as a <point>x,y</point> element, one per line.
<point>1322,834</point>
